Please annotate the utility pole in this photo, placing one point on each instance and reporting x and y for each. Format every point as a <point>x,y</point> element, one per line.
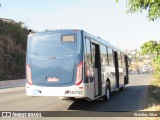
<point>117,37</point>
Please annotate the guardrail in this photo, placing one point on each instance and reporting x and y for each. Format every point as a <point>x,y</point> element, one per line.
<point>12,83</point>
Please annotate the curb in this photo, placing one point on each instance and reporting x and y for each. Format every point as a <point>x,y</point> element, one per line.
<point>12,83</point>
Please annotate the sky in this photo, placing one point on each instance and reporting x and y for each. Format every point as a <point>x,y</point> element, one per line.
<point>103,18</point>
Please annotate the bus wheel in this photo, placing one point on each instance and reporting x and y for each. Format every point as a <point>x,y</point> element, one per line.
<point>123,88</point>
<point>108,92</point>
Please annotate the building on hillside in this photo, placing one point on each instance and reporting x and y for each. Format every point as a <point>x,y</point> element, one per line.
<point>138,60</point>
<point>7,20</point>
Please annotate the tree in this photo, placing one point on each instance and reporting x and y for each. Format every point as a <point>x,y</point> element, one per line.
<point>152,6</point>
<point>153,48</point>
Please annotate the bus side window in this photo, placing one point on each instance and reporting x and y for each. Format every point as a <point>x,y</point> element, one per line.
<point>120,60</point>
<point>88,52</point>
<point>107,62</point>
<point>103,55</point>
<point>93,54</point>
<point>123,60</point>
<point>110,57</point>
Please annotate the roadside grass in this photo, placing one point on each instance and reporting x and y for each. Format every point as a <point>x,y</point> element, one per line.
<point>152,97</point>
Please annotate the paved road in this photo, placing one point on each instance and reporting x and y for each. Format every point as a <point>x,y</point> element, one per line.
<point>14,99</point>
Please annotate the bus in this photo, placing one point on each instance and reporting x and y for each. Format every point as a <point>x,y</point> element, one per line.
<point>74,64</point>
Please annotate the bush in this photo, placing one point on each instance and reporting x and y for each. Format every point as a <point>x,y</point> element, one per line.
<point>13,39</point>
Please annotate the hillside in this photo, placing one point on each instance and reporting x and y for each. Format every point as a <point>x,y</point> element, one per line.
<point>13,39</point>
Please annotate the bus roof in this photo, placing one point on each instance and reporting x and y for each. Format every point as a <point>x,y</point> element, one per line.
<point>105,42</point>
<point>52,31</point>
<point>98,39</point>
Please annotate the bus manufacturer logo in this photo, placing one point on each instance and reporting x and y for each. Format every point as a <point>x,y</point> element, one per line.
<point>51,57</point>
<point>52,79</point>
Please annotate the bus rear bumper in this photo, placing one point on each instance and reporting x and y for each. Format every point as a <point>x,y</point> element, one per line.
<point>71,91</point>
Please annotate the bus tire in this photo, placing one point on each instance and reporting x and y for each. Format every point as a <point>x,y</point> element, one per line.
<point>107,95</point>
<point>123,88</point>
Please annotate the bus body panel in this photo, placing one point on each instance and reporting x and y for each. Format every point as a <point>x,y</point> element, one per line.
<point>59,69</point>
<point>82,91</point>
<point>53,72</point>
<point>107,72</point>
<point>56,74</point>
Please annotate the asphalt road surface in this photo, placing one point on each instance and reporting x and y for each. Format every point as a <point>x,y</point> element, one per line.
<point>15,99</point>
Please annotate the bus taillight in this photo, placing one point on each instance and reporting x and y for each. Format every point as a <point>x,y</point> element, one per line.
<point>79,74</point>
<point>29,76</point>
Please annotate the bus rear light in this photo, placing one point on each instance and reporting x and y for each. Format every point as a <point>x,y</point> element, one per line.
<point>79,73</point>
<point>29,76</point>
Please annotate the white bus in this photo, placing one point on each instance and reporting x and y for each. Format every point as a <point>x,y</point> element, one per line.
<point>74,64</point>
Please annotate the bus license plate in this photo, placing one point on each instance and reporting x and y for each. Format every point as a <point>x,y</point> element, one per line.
<point>52,79</point>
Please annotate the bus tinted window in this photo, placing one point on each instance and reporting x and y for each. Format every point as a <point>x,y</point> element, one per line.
<point>103,55</point>
<point>88,54</point>
<point>123,60</point>
<point>93,54</point>
<point>120,59</point>
<point>110,57</point>
<point>50,45</point>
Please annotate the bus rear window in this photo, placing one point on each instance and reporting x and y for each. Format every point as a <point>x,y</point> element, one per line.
<point>68,38</point>
<point>51,45</point>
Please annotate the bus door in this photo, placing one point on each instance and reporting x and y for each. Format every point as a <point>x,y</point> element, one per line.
<point>126,66</point>
<point>116,69</point>
<point>97,69</point>
<point>121,69</point>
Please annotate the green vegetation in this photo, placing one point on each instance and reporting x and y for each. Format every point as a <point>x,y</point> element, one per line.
<point>153,47</point>
<point>153,93</point>
<point>152,101</point>
<point>152,96</point>
<point>13,39</point>
<point>152,6</point>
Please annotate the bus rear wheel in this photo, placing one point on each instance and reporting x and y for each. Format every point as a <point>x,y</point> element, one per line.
<point>107,95</point>
<point>124,87</point>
